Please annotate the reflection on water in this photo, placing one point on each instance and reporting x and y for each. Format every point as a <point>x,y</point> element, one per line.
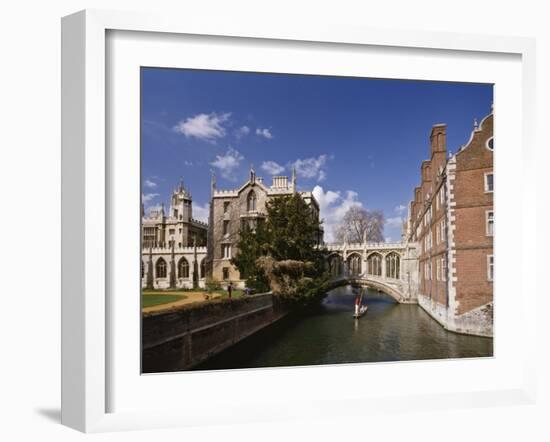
<point>328,334</point>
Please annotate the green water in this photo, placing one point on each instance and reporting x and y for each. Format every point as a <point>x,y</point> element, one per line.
<point>328,334</point>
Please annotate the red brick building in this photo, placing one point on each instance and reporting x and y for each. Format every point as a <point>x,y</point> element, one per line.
<point>452,220</point>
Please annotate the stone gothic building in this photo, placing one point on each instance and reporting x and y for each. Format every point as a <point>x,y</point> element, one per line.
<point>173,245</point>
<point>452,220</point>
<point>177,228</point>
<point>229,209</point>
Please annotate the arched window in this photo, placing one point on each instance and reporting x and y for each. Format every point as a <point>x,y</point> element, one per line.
<point>160,268</point>
<point>203,268</point>
<point>251,201</point>
<point>374,264</point>
<point>392,265</point>
<point>335,265</point>
<point>183,268</point>
<point>354,264</point>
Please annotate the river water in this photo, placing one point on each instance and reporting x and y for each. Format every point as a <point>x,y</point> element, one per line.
<point>328,334</point>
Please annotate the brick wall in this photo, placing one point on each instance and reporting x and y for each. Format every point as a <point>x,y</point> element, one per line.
<point>473,244</point>
<point>451,205</point>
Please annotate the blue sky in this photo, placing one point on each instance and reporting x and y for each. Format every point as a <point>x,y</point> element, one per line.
<point>354,141</point>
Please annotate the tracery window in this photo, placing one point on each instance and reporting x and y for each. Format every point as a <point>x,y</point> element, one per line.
<point>160,268</point>
<point>183,268</point>
<point>354,264</point>
<point>392,265</point>
<point>374,264</point>
<point>251,201</point>
<point>335,265</point>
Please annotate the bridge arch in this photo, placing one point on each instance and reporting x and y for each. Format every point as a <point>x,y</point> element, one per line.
<point>370,283</point>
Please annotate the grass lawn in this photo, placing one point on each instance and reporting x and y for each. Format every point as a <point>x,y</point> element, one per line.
<point>162,291</point>
<point>157,299</point>
<point>151,298</point>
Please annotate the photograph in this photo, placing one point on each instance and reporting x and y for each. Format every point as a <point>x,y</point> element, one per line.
<point>302,220</point>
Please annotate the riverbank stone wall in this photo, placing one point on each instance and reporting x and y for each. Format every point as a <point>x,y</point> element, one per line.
<point>181,338</point>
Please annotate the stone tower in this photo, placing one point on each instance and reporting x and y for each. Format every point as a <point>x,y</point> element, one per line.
<point>181,204</point>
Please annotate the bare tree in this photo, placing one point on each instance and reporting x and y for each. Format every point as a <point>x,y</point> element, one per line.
<point>359,224</point>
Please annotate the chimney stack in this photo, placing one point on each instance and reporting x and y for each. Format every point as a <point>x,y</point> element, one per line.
<point>438,138</point>
<point>280,182</point>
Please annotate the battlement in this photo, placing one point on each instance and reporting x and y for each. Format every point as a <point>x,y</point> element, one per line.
<point>225,193</point>
<point>200,223</point>
<point>155,216</point>
<point>177,250</point>
<point>368,245</point>
<point>279,191</point>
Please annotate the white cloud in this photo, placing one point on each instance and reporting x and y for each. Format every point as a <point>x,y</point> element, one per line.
<point>396,221</point>
<point>388,239</point>
<point>333,206</point>
<point>147,197</point>
<point>228,163</point>
<point>242,131</point>
<point>311,167</point>
<point>201,212</point>
<point>150,184</point>
<point>206,127</point>
<point>272,168</point>
<point>266,133</point>
<point>400,209</point>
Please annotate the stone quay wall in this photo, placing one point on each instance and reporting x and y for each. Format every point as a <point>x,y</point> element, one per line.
<point>181,338</point>
<point>476,322</point>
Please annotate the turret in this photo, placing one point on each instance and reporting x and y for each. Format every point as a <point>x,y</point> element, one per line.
<point>181,204</point>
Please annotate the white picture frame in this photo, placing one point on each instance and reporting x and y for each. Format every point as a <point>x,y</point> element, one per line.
<point>86,317</point>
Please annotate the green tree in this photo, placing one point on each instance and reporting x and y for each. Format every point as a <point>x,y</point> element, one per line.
<point>252,244</point>
<point>282,253</point>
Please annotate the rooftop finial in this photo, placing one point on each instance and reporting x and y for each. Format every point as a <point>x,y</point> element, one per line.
<point>252,173</point>
<point>294,178</point>
<point>181,188</point>
<point>475,123</point>
<point>212,181</point>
